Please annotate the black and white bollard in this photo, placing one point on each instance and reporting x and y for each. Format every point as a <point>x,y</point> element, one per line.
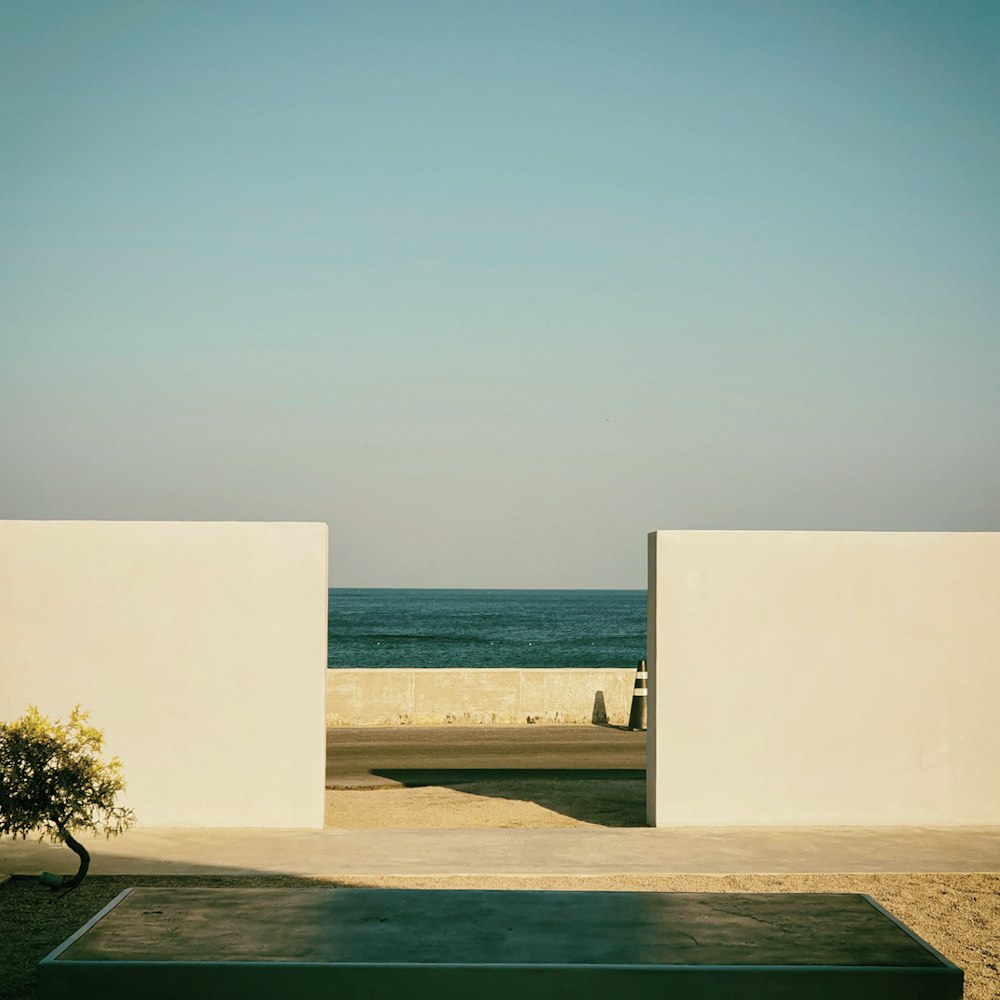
<point>637,716</point>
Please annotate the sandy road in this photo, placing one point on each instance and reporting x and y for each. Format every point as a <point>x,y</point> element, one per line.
<point>410,755</point>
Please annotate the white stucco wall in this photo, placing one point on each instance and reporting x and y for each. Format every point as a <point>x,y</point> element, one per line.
<point>199,648</point>
<point>824,678</point>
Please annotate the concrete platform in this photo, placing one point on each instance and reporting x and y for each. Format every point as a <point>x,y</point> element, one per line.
<point>380,943</point>
<point>577,851</point>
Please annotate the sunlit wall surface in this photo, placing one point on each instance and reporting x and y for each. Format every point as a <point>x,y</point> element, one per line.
<point>824,678</point>
<point>200,649</point>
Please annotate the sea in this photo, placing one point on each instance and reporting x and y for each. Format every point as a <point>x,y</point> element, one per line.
<point>418,629</point>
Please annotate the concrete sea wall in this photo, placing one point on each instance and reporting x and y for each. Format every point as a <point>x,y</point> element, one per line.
<point>477,697</point>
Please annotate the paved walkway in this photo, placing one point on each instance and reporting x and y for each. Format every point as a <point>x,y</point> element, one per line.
<point>390,757</point>
<point>523,852</point>
<point>355,756</point>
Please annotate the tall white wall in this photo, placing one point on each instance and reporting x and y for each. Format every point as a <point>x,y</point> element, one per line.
<point>824,678</point>
<point>199,648</point>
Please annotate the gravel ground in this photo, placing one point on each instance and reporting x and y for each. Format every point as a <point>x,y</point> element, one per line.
<point>524,802</point>
<point>957,914</point>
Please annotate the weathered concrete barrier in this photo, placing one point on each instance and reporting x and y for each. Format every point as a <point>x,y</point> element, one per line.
<point>469,697</point>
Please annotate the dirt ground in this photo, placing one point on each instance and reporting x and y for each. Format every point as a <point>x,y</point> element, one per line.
<point>526,802</point>
<point>959,914</point>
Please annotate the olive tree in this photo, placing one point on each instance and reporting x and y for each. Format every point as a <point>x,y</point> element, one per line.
<point>53,782</point>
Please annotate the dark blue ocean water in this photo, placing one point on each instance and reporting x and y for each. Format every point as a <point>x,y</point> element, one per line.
<point>486,628</point>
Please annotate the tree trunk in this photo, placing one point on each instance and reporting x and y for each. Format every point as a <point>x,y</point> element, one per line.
<point>74,845</point>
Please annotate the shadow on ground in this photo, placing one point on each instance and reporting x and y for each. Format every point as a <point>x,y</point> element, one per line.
<point>612,798</point>
<point>34,920</point>
<point>956,913</point>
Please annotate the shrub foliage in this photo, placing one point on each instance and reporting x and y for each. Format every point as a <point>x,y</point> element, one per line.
<point>53,782</point>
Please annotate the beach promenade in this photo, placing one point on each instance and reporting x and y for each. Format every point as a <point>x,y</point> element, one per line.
<point>558,768</point>
<point>943,882</point>
<point>585,851</point>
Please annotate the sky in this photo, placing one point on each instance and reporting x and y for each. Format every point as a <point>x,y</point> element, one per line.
<point>495,289</point>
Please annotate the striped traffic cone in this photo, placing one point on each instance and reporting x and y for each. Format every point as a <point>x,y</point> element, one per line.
<point>637,717</point>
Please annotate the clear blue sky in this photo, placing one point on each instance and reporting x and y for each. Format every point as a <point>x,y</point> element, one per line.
<point>495,289</point>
